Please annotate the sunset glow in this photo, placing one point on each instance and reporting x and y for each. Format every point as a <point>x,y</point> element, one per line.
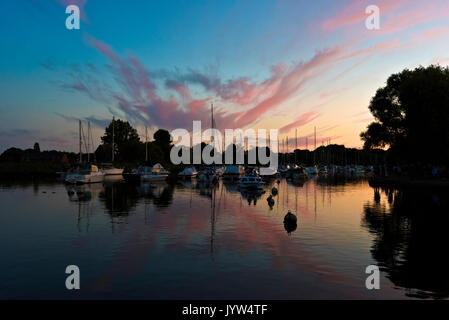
<point>264,64</point>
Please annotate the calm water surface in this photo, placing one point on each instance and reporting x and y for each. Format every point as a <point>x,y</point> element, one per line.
<point>187,241</point>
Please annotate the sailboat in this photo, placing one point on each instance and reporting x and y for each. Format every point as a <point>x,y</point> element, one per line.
<point>208,174</point>
<point>88,173</point>
<point>157,173</point>
<point>108,168</point>
<point>251,180</point>
<point>136,174</point>
<point>85,173</point>
<point>188,173</point>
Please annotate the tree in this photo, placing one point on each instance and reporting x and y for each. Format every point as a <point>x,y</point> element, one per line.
<point>125,136</point>
<point>163,140</point>
<point>12,154</point>
<point>36,147</point>
<point>411,114</point>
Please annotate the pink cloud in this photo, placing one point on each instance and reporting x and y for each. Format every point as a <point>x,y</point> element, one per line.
<point>331,93</point>
<point>355,13</point>
<point>140,100</point>
<point>395,15</point>
<point>291,83</point>
<point>300,121</point>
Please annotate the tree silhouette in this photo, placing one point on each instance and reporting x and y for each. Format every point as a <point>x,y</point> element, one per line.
<point>411,114</point>
<point>125,137</point>
<point>163,140</point>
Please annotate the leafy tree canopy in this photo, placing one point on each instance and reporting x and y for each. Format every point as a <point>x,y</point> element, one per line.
<point>124,136</point>
<point>411,115</point>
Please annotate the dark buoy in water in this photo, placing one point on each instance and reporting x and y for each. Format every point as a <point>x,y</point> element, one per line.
<point>270,201</point>
<point>274,191</point>
<point>290,222</point>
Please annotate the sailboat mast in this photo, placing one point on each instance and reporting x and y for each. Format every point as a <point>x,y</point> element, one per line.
<point>314,150</point>
<point>146,144</point>
<point>212,115</point>
<point>88,141</point>
<point>296,144</point>
<point>212,127</point>
<point>113,139</point>
<point>81,141</point>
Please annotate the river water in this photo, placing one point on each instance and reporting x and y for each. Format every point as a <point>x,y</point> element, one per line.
<point>187,241</point>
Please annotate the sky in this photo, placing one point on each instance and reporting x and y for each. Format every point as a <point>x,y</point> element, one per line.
<point>271,64</point>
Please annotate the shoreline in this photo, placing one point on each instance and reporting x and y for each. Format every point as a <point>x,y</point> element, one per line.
<point>408,183</point>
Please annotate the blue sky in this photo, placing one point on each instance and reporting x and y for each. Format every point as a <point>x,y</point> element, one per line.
<point>271,64</point>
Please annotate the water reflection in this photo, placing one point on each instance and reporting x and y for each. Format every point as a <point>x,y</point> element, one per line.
<point>119,198</point>
<point>411,237</point>
<point>192,240</point>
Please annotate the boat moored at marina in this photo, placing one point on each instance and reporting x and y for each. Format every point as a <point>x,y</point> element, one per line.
<point>156,173</point>
<point>188,173</point>
<point>268,173</point>
<point>251,181</point>
<point>233,172</point>
<point>85,174</point>
<point>312,170</point>
<point>109,170</point>
<point>207,175</point>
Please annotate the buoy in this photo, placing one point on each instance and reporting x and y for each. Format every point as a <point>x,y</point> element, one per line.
<point>270,201</point>
<point>290,222</point>
<point>290,217</point>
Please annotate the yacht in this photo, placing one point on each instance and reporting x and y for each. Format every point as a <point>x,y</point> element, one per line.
<point>233,172</point>
<point>110,170</point>
<point>207,175</point>
<point>268,172</point>
<point>322,170</point>
<point>298,173</point>
<point>157,173</point>
<point>311,170</point>
<point>188,173</point>
<point>251,181</point>
<point>85,174</point>
<point>134,175</point>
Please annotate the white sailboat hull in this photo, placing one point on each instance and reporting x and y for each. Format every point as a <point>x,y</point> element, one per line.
<point>112,172</point>
<point>94,177</point>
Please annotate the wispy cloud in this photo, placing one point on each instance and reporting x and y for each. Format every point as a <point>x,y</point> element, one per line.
<point>99,122</point>
<point>300,121</point>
